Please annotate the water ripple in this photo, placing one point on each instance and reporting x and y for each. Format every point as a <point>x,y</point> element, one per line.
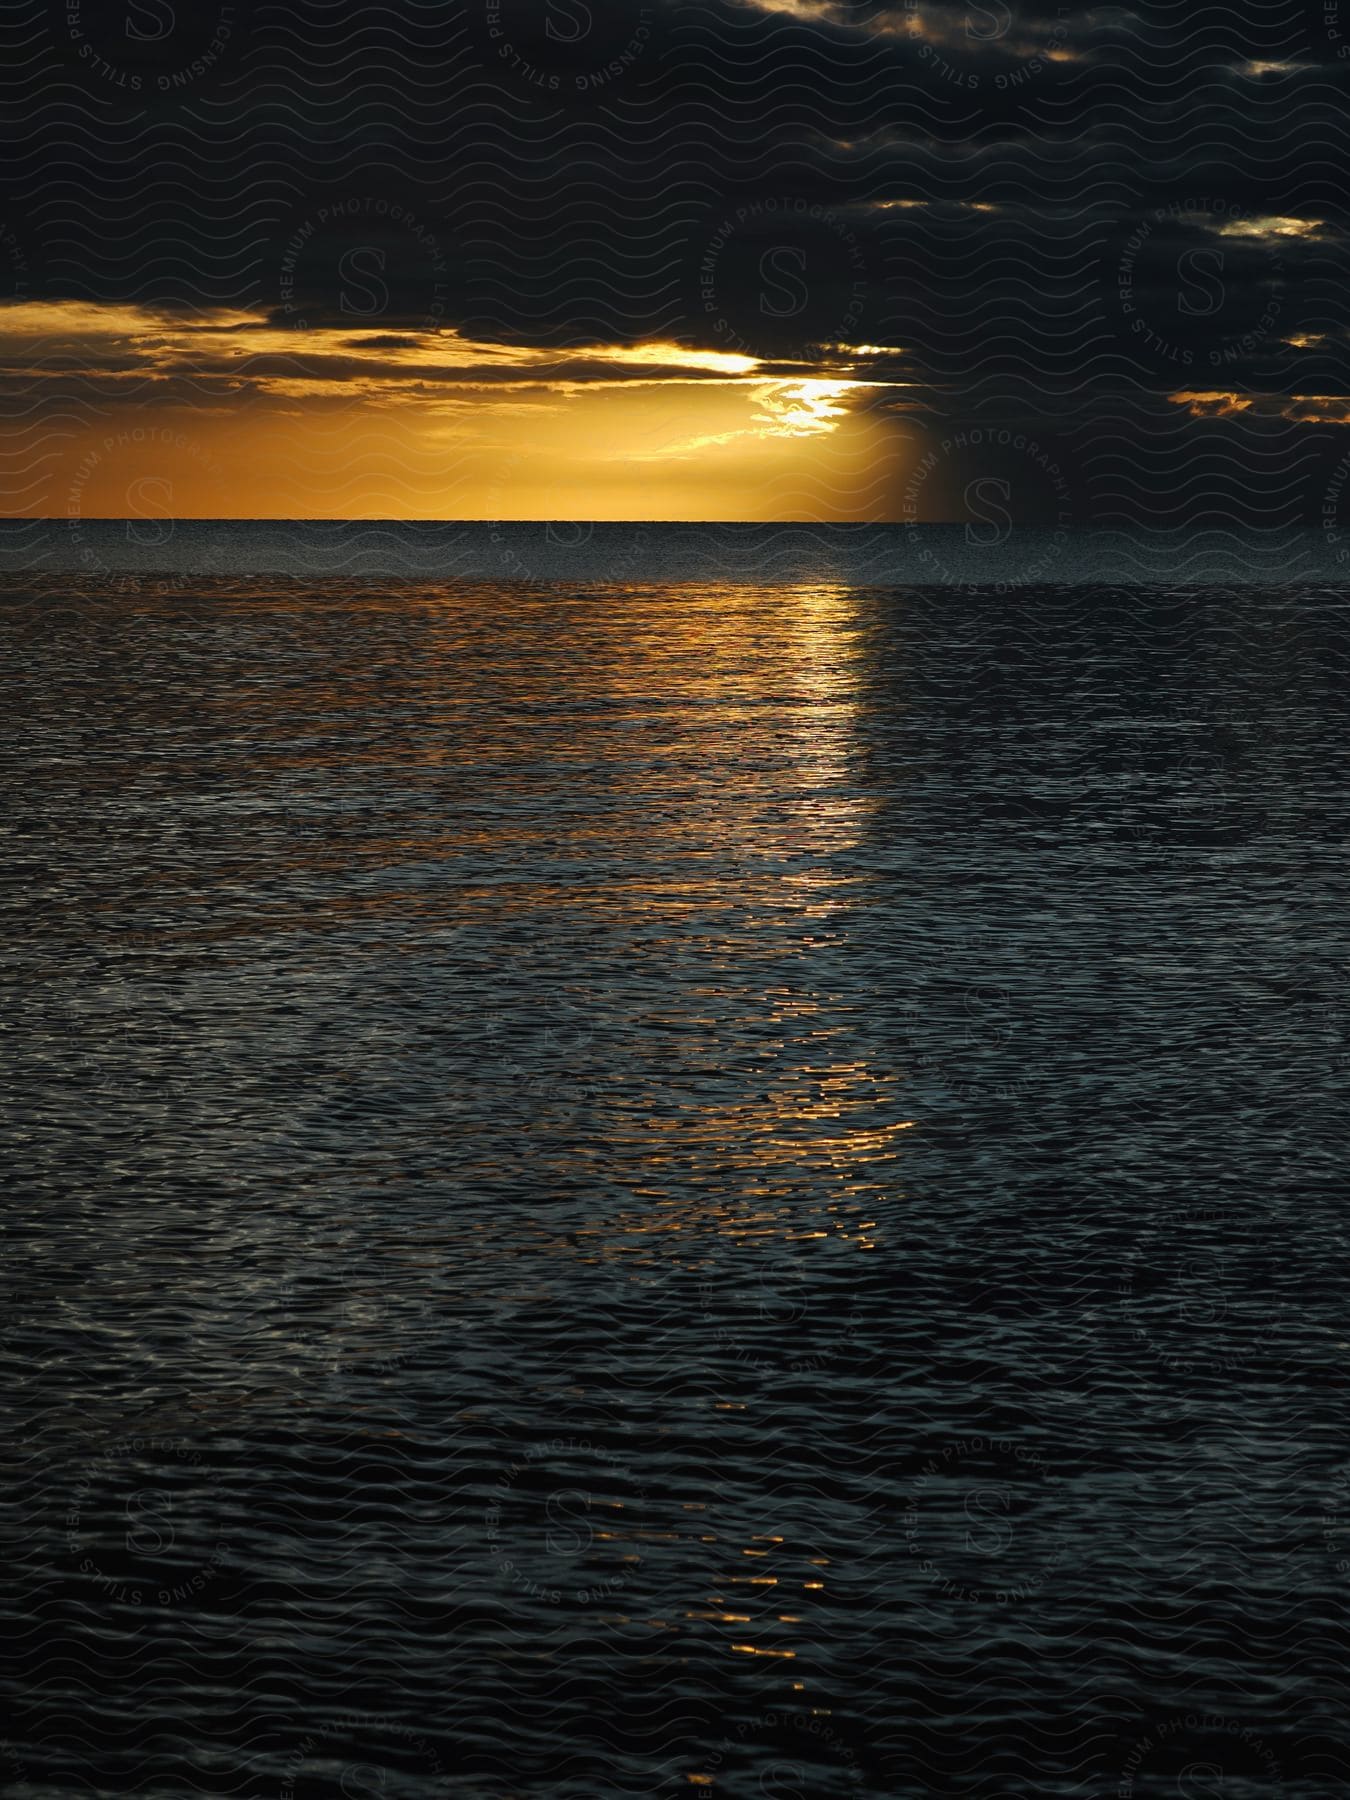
<point>666,1189</point>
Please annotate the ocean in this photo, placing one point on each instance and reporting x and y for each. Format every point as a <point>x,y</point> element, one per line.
<point>992,557</point>
<point>695,1164</point>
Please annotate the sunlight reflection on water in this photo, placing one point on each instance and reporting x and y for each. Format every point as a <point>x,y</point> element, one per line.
<point>487,1060</point>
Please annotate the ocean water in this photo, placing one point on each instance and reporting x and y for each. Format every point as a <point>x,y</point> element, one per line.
<point>658,1186</point>
<point>991,558</point>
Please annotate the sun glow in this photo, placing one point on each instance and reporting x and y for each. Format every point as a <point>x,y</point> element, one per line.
<point>240,415</point>
<point>805,408</point>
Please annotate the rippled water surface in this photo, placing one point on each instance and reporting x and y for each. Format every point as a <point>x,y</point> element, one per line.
<point>656,1190</point>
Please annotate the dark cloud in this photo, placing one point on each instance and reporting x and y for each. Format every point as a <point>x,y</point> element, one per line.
<point>1050,213</point>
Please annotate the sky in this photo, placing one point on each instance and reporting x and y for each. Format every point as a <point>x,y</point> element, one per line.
<point>742,259</point>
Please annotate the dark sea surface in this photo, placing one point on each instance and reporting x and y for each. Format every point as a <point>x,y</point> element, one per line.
<point>992,557</point>
<point>649,1187</point>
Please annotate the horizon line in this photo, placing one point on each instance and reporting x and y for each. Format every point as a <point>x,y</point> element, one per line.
<point>151,519</point>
